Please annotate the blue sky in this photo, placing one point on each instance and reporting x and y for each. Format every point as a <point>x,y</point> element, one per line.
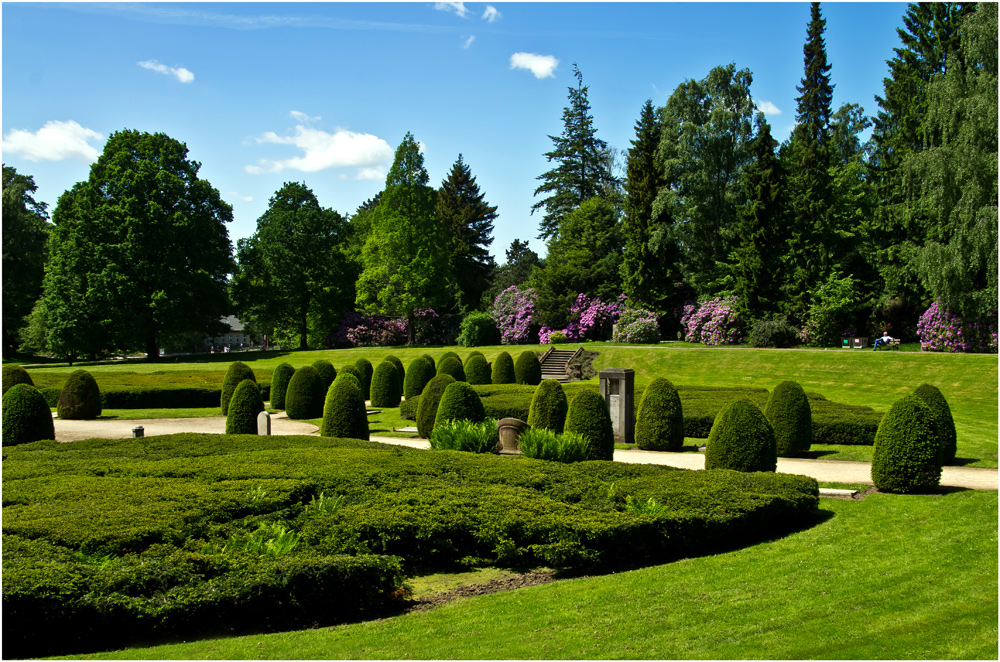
<point>323,93</point>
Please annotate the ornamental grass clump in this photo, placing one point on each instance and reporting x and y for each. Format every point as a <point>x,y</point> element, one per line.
<point>467,436</point>
<point>659,422</point>
<point>430,397</point>
<point>906,457</point>
<point>542,444</point>
<point>452,365</point>
<point>304,398</point>
<point>244,406</point>
<point>344,413</point>
<point>279,384</point>
<point>420,372</point>
<point>386,389</point>
<point>326,371</point>
<point>15,374</point>
<point>527,369</point>
<point>366,369</point>
<point>477,370</point>
<point>741,439</point>
<point>934,399</point>
<point>80,398</point>
<point>460,402</point>
<point>588,416</point>
<point>26,416</point>
<point>548,407</point>
<point>236,373</point>
<point>788,412</point>
<point>503,369</point>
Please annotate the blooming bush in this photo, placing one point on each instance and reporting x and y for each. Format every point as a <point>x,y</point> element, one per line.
<point>712,322</point>
<point>589,319</point>
<point>637,326</point>
<point>941,331</point>
<point>385,331</point>
<point>513,311</point>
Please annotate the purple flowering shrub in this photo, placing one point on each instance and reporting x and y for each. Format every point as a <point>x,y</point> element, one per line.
<point>637,326</point>
<point>513,311</point>
<point>358,330</point>
<point>942,331</point>
<point>589,319</point>
<point>712,322</point>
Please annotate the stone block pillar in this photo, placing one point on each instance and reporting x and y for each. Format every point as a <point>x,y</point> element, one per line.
<point>264,424</point>
<point>617,386</point>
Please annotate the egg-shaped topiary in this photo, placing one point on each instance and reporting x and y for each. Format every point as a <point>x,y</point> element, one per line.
<point>477,370</point>
<point>659,422</point>
<point>400,372</point>
<point>788,412</point>
<point>741,439</point>
<point>503,369</point>
<point>446,355</point>
<point>279,384</point>
<point>26,416</point>
<point>418,374</point>
<point>80,398</point>
<point>244,406</point>
<point>430,398</point>
<point>346,376</point>
<point>366,369</point>
<point>15,374</point>
<point>587,415</point>
<point>906,456</point>
<point>237,372</point>
<point>385,386</point>
<point>460,402</point>
<point>352,370</point>
<point>326,372</point>
<point>527,368</point>
<point>430,359</point>
<point>548,407</point>
<point>945,423</point>
<point>305,394</point>
<point>345,414</point>
<point>452,366</point>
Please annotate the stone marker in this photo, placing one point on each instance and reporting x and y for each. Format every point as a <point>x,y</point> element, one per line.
<point>264,424</point>
<point>617,386</point>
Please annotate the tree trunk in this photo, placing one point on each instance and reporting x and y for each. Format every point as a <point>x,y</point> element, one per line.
<point>152,351</point>
<point>410,331</point>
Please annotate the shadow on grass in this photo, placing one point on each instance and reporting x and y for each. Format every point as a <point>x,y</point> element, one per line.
<point>814,455</point>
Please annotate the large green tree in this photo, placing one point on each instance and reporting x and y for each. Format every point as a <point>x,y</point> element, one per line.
<point>293,272</point>
<point>516,271</point>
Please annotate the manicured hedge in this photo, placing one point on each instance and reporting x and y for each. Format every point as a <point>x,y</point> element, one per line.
<point>588,416</point>
<point>386,390</point>
<point>548,407</point>
<point>452,365</point>
<point>659,421</point>
<point>907,453</point>
<point>945,423</point>
<point>503,369</point>
<point>400,372</point>
<point>15,374</point>
<point>429,401</point>
<point>26,416</point>
<point>742,440</point>
<point>305,395</point>
<point>80,398</point>
<point>279,384</point>
<point>527,368</point>
<point>366,369</point>
<point>459,402</point>
<point>345,414</point>
<point>326,372</point>
<point>244,406</point>
<point>790,416</point>
<point>477,370</point>
<point>237,372</point>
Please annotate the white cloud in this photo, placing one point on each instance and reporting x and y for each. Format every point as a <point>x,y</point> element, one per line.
<point>302,117</point>
<point>56,141</point>
<point>322,150</point>
<point>468,42</point>
<point>244,198</point>
<point>768,108</point>
<point>491,14</point>
<point>182,74</point>
<point>457,7</point>
<point>542,66</point>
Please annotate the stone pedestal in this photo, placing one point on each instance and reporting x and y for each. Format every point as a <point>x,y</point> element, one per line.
<point>510,430</point>
<point>264,424</point>
<point>617,386</point>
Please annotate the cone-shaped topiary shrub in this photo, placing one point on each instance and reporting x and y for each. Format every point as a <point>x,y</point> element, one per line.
<point>788,412</point>
<point>244,406</point>
<point>477,370</point>
<point>26,416</point>
<point>588,415</point>
<point>366,369</point>
<point>430,397</point>
<point>430,359</point>
<point>452,366</point>
<point>906,456</point>
<point>548,407</point>
<point>15,374</point>
<point>527,368</point>
<point>304,397</point>
<point>446,355</point>
<point>353,370</point>
<point>345,414</point>
<point>80,398</point>
<point>279,384</point>
<point>346,376</point>
<point>418,374</point>
<point>326,372</point>
<point>503,369</point>
<point>385,386</point>
<point>460,402</point>
<point>945,423</point>
<point>400,372</point>
<point>237,372</point>
<point>741,439</point>
<point>659,423</point>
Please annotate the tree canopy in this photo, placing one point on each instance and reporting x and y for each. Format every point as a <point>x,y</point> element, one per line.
<point>25,233</point>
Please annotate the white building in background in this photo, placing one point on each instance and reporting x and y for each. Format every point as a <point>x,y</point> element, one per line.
<point>236,338</point>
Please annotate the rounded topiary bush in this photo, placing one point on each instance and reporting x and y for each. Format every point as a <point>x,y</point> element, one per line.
<point>477,370</point>
<point>445,356</point>
<point>452,365</point>
<point>80,398</point>
<point>460,402</point>
<point>418,374</point>
<point>304,397</point>
<point>527,368</point>
<point>906,456</point>
<point>353,370</point>
<point>237,372</point>
<point>345,414</point>
<point>788,412</point>
<point>366,369</point>
<point>430,359</point>
<point>503,369</point>
<point>279,384</point>
<point>430,397</point>
<point>934,399</point>
<point>588,415</point>
<point>741,439</point>
<point>326,372</point>
<point>346,376</point>
<point>386,391</point>
<point>659,422</point>
<point>548,407</point>
<point>15,374</point>
<point>244,406</point>
<point>26,416</point>
<point>400,372</point>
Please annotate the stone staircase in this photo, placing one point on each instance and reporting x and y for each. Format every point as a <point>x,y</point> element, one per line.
<point>555,361</point>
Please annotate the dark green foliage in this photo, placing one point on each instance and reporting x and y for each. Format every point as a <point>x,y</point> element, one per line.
<point>279,384</point>
<point>345,414</point>
<point>348,377</point>
<point>326,372</point>
<point>408,408</point>
<point>548,407</point>
<point>385,390</point>
<point>80,398</point>
<point>430,398</point>
<point>466,436</point>
<point>741,439</point>
<point>446,355</point>
<point>772,333</point>
<point>452,365</point>
<point>588,415</point>
<point>659,422</point>
<point>907,453</point>
<point>304,397</point>
<point>421,371</point>
<point>503,369</point>
<point>543,444</point>
<point>790,416</point>
<point>430,359</point>
<point>352,370</point>
<point>244,406</point>
<point>477,370</point>
<point>934,399</point>
<point>527,368</point>
<point>237,372</point>
<point>15,374</point>
<point>478,329</point>
<point>459,402</point>
<point>366,369</point>
<point>26,416</point>
<point>25,233</point>
<point>400,371</point>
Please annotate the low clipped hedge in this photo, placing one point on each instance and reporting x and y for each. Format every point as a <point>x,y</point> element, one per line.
<point>790,416</point>
<point>907,453</point>
<point>80,398</point>
<point>15,374</point>
<point>386,390</point>
<point>366,369</point>
<point>459,402</point>
<point>659,421</point>
<point>742,440</point>
<point>503,369</point>
<point>279,384</point>
<point>430,398</point>
<point>477,370</point>
<point>452,365</point>
<point>244,406</point>
<point>26,416</point>
<point>548,407</point>
<point>934,399</point>
<point>236,373</point>
<point>305,395</point>
<point>527,368</point>
<point>420,372</point>
<point>588,416</point>
<point>168,397</point>
<point>345,414</point>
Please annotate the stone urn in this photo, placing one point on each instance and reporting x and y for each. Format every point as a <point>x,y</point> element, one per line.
<point>510,430</point>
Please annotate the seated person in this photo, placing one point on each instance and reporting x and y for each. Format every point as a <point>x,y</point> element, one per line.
<point>882,342</point>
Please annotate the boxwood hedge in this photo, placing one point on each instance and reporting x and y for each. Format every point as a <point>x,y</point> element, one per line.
<point>15,374</point>
<point>244,406</point>
<point>80,398</point>
<point>279,384</point>
<point>366,369</point>
<point>237,372</point>
<point>26,416</point>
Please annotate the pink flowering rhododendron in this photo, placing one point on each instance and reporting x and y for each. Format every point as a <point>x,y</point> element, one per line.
<point>514,311</point>
<point>712,322</point>
<point>941,331</point>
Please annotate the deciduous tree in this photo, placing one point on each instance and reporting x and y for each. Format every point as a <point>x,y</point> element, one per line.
<point>25,233</point>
